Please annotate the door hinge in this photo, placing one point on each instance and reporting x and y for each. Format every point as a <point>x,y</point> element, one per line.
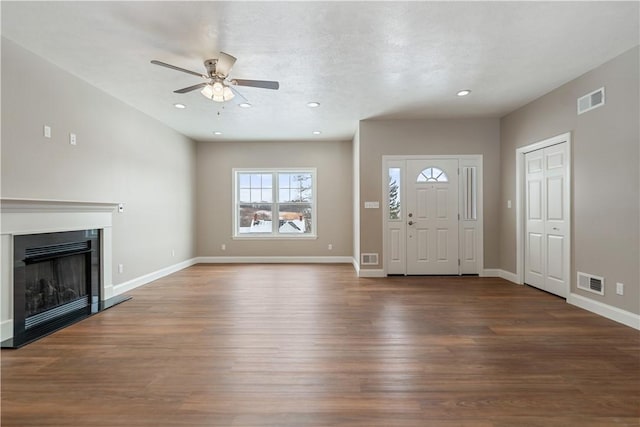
<point>458,217</point>
<point>458,263</point>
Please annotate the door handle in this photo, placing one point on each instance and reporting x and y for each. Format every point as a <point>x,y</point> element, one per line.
<point>410,222</point>
<point>555,228</point>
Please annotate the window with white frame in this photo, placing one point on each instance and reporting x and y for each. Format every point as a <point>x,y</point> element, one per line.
<point>271,203</point>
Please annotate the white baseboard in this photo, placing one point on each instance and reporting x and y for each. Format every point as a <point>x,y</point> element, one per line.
<point>147,278</point>
<point>490,272</point>
<point>369,272</point>
<point>273,260</point>
<point>503,274</point>
<point>6,329</point>
<point>605,310</point>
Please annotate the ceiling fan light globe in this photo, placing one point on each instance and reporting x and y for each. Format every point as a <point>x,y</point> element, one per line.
<point>218,88</point>
<point>227,94</point>
<point>207,92</point>
<point>217,98</point>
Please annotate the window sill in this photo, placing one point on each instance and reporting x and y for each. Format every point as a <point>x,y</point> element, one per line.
<point>272,237</point>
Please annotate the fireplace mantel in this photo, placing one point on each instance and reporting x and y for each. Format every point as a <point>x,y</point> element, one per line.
<point>32,216</point>
<point>40,205</point>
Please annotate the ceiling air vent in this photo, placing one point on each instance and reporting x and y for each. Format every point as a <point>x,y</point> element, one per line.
<point>591,100</point>
<point>591,283</point>
<point>369,259</point>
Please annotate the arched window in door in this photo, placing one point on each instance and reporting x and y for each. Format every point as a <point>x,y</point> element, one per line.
<point>432,174</point>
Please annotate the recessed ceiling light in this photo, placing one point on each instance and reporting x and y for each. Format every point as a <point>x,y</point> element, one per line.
<point>244,105</point>
<point>316,132</point>
<point>313,104</point>
<point>180,106</point>
<point>464,92</point>
<point>217,132</point>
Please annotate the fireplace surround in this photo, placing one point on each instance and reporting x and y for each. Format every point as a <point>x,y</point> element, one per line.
<point>55,266</point>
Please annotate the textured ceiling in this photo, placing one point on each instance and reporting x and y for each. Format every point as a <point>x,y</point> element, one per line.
<point>360,60</point>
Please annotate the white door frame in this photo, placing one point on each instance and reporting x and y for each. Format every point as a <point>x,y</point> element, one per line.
<point>520,202</point>
<point>465,160</point>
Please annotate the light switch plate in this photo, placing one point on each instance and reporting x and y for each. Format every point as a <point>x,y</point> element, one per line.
<point>371,205</point>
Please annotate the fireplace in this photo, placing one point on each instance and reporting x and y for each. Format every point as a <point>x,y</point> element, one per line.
<point>56,282</point>
<point>56,260</point>
<point>55,275</point>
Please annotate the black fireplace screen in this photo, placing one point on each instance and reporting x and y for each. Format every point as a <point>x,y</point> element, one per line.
<point>52,283</point>
<point>55,274</point>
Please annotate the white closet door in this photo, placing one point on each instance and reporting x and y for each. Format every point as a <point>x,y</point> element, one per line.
<point>547,210</point>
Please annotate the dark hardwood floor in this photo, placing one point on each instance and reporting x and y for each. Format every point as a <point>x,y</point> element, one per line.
<point>313,345</point>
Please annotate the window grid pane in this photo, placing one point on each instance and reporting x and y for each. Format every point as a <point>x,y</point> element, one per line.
<point>294,218</point>
<point>255,218</point>
<point>432,174</point>
<point>294,187</point>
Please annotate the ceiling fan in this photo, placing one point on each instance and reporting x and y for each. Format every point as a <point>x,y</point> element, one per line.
<point>218,84</point>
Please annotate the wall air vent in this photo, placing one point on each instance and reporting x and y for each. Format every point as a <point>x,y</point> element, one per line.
<point>369,259</point>
<point>591,100</point>
<point>591,283</point>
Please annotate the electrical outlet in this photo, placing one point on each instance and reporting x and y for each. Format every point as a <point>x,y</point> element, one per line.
<point>330,247</point>
<point>223,247</point>
<point>173,252</point>
<point>120,268</point>
<point>47,131</point>
<point>508,204</point>
<point>620,288</point>
<point>72,139</point>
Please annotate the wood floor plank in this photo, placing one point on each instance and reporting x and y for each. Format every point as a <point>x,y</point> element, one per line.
<point>313,345</point>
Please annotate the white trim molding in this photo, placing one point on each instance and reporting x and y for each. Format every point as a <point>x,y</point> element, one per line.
<point>150,277</point>
<point>274,260</point>
<point>370,272</point>
<point>503,274</point>
<point>6,329</point>
<point>610,312</point>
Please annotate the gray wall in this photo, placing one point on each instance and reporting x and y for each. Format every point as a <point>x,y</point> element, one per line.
<point>605,177</point>
<point>122,155</point>
<point>428,137</point>
<point>332,159</point>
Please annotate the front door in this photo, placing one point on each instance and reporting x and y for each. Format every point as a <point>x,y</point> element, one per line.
<point>547,209</point>
<point>432,216</point>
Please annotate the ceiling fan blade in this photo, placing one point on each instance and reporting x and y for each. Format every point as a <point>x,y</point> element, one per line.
<point>224,64</point>
<point>235,91</point>
<point>190,88</point>
<point>264,84</point>
<point>173,67</point>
